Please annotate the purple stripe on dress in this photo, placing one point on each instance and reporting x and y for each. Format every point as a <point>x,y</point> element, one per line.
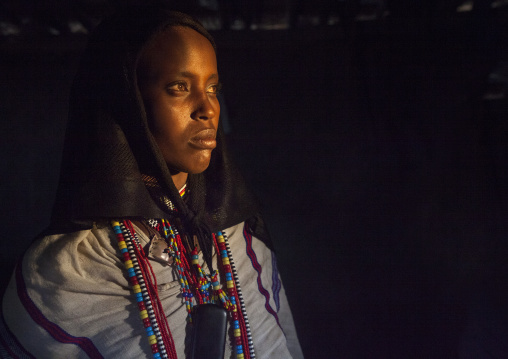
<point>255,264</point>
<point>54,330</point>
<point>9,344</point>
<point>276,283</point>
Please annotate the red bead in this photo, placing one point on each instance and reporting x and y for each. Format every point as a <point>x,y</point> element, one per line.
<point>155,348</point>
<point>141,306</point>
<point>238,340</point>
<point>126,256</point>
<point>227,268</point>
<point>146,322</point>
<point>234,315</point>
<point>134,280</point>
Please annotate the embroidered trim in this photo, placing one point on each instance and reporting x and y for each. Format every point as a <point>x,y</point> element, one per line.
<point>255,264</point>
<point>54,330</point>
<point>276,283</point>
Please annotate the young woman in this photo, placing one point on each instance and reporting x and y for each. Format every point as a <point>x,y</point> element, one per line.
<point>156,247</point>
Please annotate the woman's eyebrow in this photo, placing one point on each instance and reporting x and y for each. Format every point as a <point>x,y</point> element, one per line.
<point>192,75</point>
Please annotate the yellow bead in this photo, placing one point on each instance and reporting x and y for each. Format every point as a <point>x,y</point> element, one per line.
<point>195,261</point>
<point>136,288</point>
<point>128,264</point>
<point>152,339</point>
<point>220,239</point>
<point>237,332</point>
<point>143,314</point>
<point>239,356</point>
<point>122,245</point>
<point>115,223</point>
<point>225,260</point>
<point>230,284</point>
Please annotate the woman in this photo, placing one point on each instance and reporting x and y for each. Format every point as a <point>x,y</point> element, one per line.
<point>152,224</point>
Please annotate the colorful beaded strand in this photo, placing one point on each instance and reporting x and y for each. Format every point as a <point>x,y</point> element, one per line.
<point>127,247</point>
<point>240,298</point>
<point>172,235</point>
<point>155,310</point>
<point>132,267</point>
<point>157,314</point>
<point>198,282</point>
<point>239,332</point>
<point>150,296</point>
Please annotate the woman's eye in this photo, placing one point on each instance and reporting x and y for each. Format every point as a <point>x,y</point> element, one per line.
<point>178,87</point>
<point>215,89</point>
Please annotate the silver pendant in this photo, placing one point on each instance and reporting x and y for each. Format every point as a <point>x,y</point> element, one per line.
<point>159,251</point>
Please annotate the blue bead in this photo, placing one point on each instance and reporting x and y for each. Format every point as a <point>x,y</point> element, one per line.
<point>239,349</point>
<point>124,250</point>
<point>157,356</point>
<point>224,253</point>
<point>237,325</point>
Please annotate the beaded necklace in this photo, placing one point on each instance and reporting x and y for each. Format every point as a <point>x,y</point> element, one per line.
<point>196,286</point>
<point>144,287</point>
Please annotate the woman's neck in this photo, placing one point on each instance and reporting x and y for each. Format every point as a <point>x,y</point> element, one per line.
<point>179,179</point>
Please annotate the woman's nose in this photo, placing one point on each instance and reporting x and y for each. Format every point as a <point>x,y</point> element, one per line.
<point>206,107</point>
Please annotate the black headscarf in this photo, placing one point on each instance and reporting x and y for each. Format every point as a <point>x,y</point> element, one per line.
<point>108,144</point>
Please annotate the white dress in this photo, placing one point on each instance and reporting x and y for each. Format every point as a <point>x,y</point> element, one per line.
<point>70,297</point>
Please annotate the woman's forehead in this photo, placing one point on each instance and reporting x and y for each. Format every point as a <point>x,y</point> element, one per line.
<point>178,34</point>
<point>177,47</point>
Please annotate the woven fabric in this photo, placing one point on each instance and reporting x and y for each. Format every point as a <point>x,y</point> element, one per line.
<point>74,298</point>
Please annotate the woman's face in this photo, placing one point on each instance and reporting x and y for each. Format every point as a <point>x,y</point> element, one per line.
<point>178,80</point>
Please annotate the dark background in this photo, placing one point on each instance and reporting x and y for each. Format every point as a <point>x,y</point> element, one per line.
<point>376,139</point>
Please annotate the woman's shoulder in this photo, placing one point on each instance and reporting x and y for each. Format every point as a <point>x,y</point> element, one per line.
<point>62,277</point>
<point>55,247</point>
<point>68,259</point>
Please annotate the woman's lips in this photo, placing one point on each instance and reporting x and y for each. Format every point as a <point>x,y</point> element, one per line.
<point>205,139</point>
